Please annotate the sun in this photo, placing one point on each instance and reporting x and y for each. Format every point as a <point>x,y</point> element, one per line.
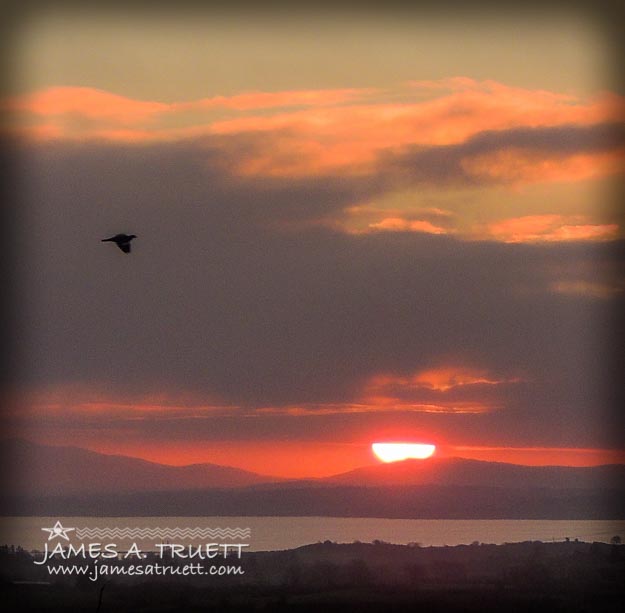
<point>395,452</point>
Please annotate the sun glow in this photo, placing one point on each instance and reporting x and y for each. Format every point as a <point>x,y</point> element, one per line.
<point>395,452</point>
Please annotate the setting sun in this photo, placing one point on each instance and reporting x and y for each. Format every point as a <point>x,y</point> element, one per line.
<point>394,452</point>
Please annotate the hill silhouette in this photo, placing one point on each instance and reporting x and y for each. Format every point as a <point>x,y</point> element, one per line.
<point>73,481</point>
<point>462,472</point>
<point>43,470</point>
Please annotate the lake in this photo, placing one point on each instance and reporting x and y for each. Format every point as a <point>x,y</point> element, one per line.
<point>276,533</point>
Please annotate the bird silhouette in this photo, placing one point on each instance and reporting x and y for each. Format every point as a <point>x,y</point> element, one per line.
<point>121,240</point>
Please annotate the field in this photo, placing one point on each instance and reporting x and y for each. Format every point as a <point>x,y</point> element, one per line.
<point>572,576</point>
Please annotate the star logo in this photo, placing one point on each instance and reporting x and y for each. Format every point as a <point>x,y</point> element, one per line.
<point>58,531</point>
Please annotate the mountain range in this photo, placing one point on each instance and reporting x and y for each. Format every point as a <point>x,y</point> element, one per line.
<point>45,470</point>
<point>72,481</point>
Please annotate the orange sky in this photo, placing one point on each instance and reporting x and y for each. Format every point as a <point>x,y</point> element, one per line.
<point>304,459</point>
<point>346,229</point>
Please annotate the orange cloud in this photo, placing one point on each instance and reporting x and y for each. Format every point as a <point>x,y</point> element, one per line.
<point>86,402</point>
<point>439,379</point>
<point>87,102</point>
<point>383,393</point>
<point>367,218</point>
<point>397,224</point>
<point>445,120</point>
<point>99,104</point>
<point>335,131</point>
<point>443,379</point>
<point>549,228</point>
<point>447,389</point>
<point>516,166</point>
<point>376,404</point>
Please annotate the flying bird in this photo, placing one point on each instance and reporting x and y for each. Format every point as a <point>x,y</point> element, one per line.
<point>121,240</point>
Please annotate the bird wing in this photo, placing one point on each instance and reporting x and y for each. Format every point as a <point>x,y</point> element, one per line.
<point>125,247</point>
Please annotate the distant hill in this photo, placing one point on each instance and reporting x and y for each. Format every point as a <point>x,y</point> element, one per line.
<point>463,472</point>
<point>71,481</point>
<point>43,470</point>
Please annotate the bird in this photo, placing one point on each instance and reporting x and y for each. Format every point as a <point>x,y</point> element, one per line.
<point>121,240</point>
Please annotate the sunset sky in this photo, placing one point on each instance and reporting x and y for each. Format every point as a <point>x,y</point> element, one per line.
<point>352,227</point>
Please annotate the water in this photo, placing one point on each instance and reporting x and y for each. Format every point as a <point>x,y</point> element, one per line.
<point>276,533</point>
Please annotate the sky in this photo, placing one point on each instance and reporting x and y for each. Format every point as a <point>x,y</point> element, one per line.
<point>351,227</point>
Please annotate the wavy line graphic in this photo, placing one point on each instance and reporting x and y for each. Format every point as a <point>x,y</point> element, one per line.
<point>163,533</point>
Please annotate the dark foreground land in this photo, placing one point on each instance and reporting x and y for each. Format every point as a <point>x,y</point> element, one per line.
<point>571,577</point>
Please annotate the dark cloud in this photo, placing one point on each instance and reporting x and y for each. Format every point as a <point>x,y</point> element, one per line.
<point>567,139</point>
<point>444,164</point>
<point>218,300</point>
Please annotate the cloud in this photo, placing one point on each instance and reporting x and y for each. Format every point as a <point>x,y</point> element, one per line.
<point>365,218</point>
<point>397,224</point>
<point>550,228</point>
<point>93,104</point>
<point>350,135</point>
<point>100,104</point>
<point>513,156</point>
<point>442,389</point>
<point>446,378</point>
<point>226,302</point>
<point>83,113</point>
<point>379,406</point>
<point>345,131</point>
